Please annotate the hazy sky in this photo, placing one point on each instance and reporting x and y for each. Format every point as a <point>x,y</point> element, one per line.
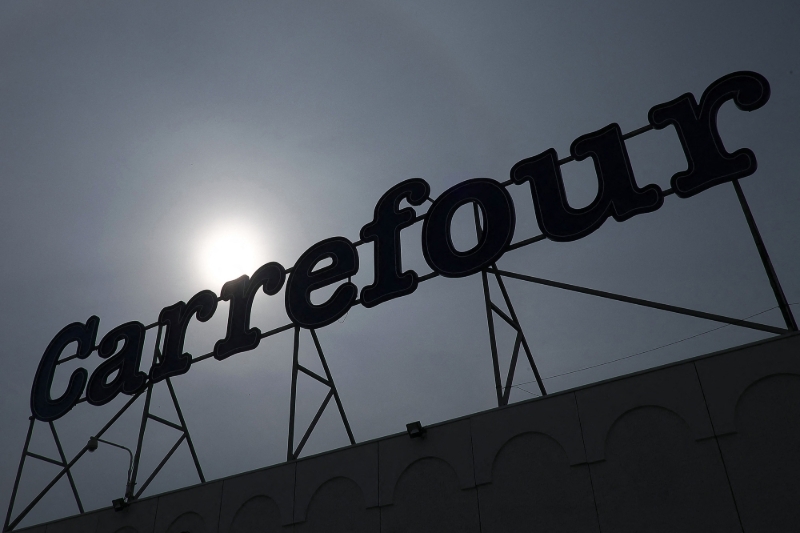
<point>135,138</point>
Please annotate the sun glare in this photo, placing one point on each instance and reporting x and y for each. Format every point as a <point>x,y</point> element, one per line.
<point>227,253</point>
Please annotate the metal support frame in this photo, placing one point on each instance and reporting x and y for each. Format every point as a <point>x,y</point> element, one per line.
<point>66,466</point>
<point>293,453</point>
<point>786,311</point>
<point>503,390</point>
<point>143,426</point>
<point>645,303</point>
<point>11,524</point>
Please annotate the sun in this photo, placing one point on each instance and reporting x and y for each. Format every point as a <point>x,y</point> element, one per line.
<point>227,252</point>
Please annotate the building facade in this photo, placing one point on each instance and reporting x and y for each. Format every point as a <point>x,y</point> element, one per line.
<point>710,444</point>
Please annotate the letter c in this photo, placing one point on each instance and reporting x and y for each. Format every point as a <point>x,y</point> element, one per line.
<point>43,407</point>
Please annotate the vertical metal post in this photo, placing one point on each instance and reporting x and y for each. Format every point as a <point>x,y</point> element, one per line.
<point>786,311</point>
<point>145,412</point>
<point>19,474</point>
<point>290,450</point>
<point>498,383</point>
<point>492,341</point>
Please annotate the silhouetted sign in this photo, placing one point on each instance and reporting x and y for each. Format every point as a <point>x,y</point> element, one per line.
<point>618,196</point>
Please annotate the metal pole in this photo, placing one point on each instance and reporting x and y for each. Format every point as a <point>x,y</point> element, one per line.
<point>19,474</point>
<point>145,412</point>
<point>128,486</point>
<point>492,341</point>
<point>786,311</point>
<point>290,450</point>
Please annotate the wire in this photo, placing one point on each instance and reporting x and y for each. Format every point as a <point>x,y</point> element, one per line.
<point>645,351</point>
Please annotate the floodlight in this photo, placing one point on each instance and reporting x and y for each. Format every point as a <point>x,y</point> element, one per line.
<point>119,504</point>
<point>415,430</point>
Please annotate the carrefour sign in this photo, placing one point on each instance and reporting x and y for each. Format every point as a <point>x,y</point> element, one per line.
<point>618,196</point>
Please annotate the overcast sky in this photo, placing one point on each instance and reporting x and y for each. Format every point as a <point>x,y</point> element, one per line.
<point>135,138</point>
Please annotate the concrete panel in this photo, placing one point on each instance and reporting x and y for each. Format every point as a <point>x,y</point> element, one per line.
<point>359,464</point>
<point>556,417</point>
<point>535,489</point>
<point>275,483</point>
<point>726,376</point>
<point>449,442</point>
<point>429,499</point>
<point>675,388</point>
<point>338,506</point>
<point>78,524</point>
<point>657,477</point>
<point>140,516</point>
<point>195,509</point>
<point>762,456</point>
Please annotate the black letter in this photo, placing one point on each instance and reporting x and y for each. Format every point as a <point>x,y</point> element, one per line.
<point>617,192</point>
<point>384,230</point>
<point>129,380</point>
<point>303,281</point>
<point>241,292</point>
<point>498,228</point>
<point>709,163</point>
<point>43,407</point>
<point>175,319</point>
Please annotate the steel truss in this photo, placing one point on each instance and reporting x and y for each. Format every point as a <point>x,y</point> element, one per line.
<point>503,392</point>
<point>66,467</point>
<point>293,453</point>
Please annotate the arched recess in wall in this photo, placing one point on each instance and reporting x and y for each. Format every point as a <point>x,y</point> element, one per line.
<point>649,410</point>
<point>656,472</point>
<point>784,378</point>
<point>538,437</point>
<point>338,506</point>
<point>761,457</point>
<point>428,498</point>
<point>259,513</point>
<point>188,522</point>
<point>534,488</point>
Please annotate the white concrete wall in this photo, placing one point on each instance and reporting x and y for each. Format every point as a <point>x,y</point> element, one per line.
<point>708,445</point>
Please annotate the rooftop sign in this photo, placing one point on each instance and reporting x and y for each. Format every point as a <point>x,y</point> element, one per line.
<point>618,196</point>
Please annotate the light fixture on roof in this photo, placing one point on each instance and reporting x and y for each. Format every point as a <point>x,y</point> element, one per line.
<point>415,430</point>
<point>120,503</point>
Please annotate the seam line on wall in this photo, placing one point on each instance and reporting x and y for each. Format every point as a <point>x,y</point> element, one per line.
<point>719,448</point>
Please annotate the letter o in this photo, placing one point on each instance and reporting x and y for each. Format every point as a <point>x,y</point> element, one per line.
<point>499,219</point>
